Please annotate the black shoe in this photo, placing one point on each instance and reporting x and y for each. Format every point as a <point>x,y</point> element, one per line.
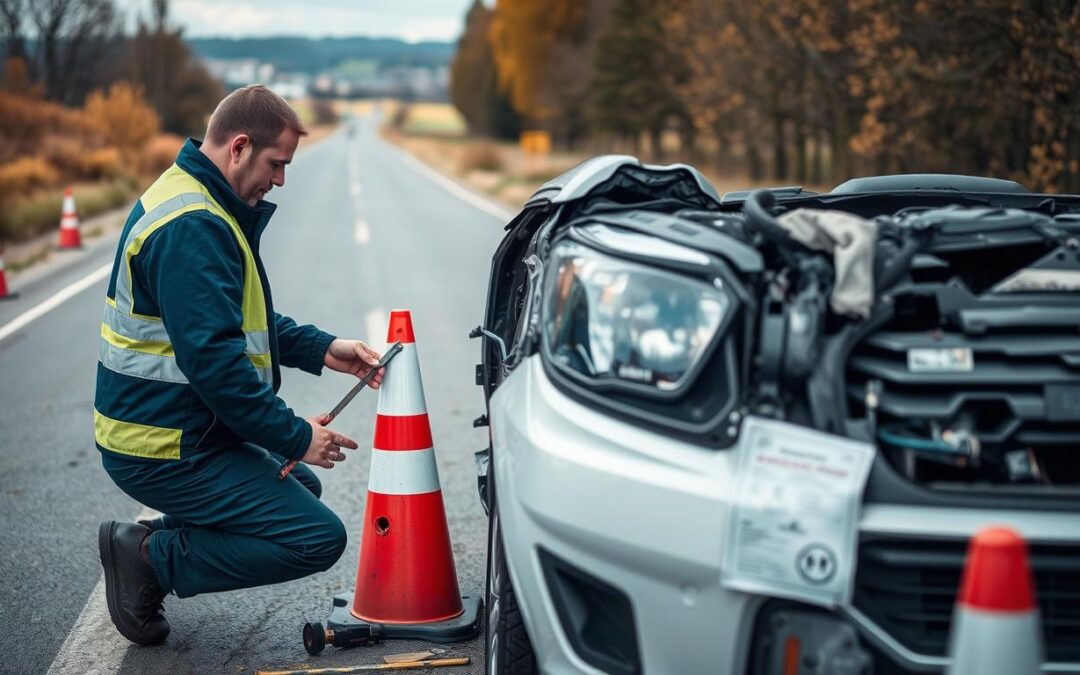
<point>133,594</point>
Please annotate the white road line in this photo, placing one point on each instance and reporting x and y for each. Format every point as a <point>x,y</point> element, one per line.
<point>377,321</point>
<point>453,188</point>
<point>85,651</point>
<point>355,189</point>
<point>362,233</point>
<point>55,301</point>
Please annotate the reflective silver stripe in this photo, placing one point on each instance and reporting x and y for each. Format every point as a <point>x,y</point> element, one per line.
<point>123,275</point>
<point>266,375</point>
<point>153,366</point>
<point>134,327</point>
<point>258,341</point>
<point>140,364</point>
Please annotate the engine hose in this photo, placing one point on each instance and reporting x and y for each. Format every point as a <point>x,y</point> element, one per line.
<point>899,264</point>
<point>889,433</point>
<point>756,210</point>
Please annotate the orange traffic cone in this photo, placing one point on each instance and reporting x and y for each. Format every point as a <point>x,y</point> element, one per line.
<point>5,294</point>
<point>996,628</point>
<point>406,583</point>
<point>69,223</point>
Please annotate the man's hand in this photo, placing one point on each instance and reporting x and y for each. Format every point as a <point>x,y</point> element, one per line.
<point>353,356</point>
<point>325,447</point>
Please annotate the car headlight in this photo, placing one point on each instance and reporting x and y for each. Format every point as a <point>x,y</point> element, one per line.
<point>609,321</point>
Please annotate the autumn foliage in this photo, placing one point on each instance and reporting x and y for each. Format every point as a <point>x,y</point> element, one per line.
<point>122,117</point>
<point>811,91</point>
<point>110,142</point>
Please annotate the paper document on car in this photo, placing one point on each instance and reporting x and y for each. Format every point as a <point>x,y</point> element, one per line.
<point>792,528</point>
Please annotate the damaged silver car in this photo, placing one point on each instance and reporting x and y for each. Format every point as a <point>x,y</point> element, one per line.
<point>638,322</point>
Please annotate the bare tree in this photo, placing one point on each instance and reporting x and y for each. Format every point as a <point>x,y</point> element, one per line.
<point>175,80</point>
<point>74,38</point>
<point>11,29</point>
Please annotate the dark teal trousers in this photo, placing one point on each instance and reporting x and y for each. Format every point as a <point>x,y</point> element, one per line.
<point>229,522</point>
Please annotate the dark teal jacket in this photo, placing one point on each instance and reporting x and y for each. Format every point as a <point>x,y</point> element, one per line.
<point>190,274</point>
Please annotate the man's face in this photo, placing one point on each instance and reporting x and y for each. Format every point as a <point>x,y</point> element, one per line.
<point>257,171</point>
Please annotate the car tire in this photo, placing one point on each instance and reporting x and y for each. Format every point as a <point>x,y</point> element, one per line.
<point>507,648</point>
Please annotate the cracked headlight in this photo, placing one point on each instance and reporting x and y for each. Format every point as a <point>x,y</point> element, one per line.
<point>615,321</point>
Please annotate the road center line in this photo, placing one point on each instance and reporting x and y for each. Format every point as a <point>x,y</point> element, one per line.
<point>362,232</point>
<point>453,188</point>
<point>55,301</point>
<point>376,321</point>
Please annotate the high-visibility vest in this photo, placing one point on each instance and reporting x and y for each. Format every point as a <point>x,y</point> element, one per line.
<point>137,345</point>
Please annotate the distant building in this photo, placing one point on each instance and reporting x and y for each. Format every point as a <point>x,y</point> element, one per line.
<point>236,73</point>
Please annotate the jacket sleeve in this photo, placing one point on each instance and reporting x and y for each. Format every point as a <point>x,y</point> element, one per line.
<point>301,347</point>
<point>194,270</point>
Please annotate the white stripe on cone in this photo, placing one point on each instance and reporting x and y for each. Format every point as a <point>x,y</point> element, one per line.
<point>402,390</point>
<point>995,643</point>
<point>69,217</point>
<point>403,472</point>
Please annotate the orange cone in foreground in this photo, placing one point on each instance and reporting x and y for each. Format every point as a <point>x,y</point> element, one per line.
<point>5,294</point>
<point>406,582</point>
<point>996,628</point>
<point>69,223</point>
<point>406,572</point>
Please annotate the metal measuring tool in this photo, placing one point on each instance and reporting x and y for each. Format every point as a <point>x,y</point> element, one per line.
<point>388,356</point>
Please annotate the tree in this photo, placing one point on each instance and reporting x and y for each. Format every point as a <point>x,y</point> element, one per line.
<point>474,87</point>
<point>176,84</point>
<point>74,41</point>
<point>543,54</point>
<point>13,31</point>
<point>630,92</point>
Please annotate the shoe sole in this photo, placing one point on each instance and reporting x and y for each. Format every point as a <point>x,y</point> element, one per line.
<point>105,532</point>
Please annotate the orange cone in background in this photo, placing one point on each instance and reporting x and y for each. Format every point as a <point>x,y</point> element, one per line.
<point>69,223</point>
<point>406,582</point>
<point>5,294</point>
<point>996,628</point>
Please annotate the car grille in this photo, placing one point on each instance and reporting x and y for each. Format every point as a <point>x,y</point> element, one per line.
<point>909,589</point>
<point>1023,392</point>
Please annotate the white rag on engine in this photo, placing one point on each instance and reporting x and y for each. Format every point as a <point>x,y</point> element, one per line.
<point>850,239</point>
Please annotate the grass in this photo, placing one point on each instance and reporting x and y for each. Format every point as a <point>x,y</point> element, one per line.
<point>29,261</point>
<point>39,212</point>
<point>433,119</point>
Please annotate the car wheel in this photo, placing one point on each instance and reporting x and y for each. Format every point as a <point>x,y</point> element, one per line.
<point>507,648</point>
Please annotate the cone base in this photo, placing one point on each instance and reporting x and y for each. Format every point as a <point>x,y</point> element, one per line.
<point>8,296</point>
<point>464,626</point>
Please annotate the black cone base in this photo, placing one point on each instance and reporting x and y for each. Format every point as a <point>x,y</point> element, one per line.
<point>345,630</point>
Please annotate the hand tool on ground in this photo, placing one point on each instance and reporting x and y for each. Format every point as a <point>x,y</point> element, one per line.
<point>408,665</point>
<point>413,656</point>
<point>388,356</point>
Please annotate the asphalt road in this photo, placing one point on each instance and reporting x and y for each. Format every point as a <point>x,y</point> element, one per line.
<point>360,230</point>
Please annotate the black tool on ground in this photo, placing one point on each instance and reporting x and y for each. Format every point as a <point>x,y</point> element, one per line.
<point>345,630</point>
<point>316,637</point>
<point>388,356</point>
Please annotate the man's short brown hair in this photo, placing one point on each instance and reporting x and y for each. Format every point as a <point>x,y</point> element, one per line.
<point>256,111</point>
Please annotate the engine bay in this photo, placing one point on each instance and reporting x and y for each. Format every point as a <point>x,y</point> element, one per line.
<point>941,325</point>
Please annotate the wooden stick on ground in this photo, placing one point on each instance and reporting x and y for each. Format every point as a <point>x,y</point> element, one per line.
<point>407,665</point>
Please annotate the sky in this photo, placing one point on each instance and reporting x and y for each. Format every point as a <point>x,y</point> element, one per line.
<point>411,20</point>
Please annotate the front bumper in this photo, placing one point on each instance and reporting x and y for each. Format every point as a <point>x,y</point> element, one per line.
<point>643,512</point>
<point>647,515</point>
